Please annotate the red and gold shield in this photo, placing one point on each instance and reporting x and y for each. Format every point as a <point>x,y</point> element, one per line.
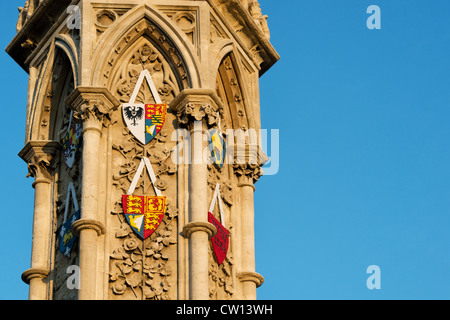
<point>144,214</point>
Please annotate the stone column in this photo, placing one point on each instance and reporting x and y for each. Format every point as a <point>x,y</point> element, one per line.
<point>248,170</point>
<point>197,109</point>
<point>39,156</point>
<point>93,107</point>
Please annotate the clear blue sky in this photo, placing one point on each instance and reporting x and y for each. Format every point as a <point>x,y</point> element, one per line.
<point>364,173</point>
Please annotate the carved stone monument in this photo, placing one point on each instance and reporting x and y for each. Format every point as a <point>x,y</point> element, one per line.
<point>139,137</point>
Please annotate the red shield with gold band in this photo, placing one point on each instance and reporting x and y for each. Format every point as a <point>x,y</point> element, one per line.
<point>144,214</point>
<point>221,240</point>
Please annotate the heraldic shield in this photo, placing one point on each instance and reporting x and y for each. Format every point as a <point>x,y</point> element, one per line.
<point>144,121</point>
<point>65,235</point>
<point>144,214</point>
<point>221,240</point>
<point>217,146</point>
<point>71,143</point>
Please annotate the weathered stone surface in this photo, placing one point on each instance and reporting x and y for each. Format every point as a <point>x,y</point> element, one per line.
<point>205,59</point>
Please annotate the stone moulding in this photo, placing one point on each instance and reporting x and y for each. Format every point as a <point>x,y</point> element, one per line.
<point>192,227</point>
<point>196,95</point>
<point>35,28</point>
<point>197,104</point>
<point>39,148</point>
<point>34,273</point>
<point>143,21</point>
<point>92,101</point>
<point>39,155</point>
<point>84,224</point>
<point>248,162</point>
<point>253,32</point>
<point>251,276</point>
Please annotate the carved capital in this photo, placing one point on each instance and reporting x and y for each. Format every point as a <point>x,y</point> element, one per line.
<point>192,227</point>
<point>88,224</point>
<point>248,162</point>
<point>40,155</point>
<point>250,171</point>
<point>193,105</point>
<point>251,276</point>
<point>198,112</point>
<point>93,106</point>
<point>34,273</point>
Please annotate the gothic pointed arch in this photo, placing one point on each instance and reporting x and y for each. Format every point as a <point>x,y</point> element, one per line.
<point>145,22</point>
<point>231,89</point>
<point>52,114</point>
<point>145,54</point>
<point>67,44</point>
<point>64,84</point>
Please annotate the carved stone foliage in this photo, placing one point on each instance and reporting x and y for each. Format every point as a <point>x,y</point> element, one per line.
<point>142,269</point>
<point>40,167</point>
<point>132,153</point>
<point>192,112</point>
<point>147,57</point>
<point>248,170</point>
<point>41,157</point>
<point>142,46</point>
<point>226,186</point>
<point>94,110</point>
<point>93,107</point>
<point>221,284</point>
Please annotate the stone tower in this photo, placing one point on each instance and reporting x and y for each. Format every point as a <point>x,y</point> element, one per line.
<point>142,139</point>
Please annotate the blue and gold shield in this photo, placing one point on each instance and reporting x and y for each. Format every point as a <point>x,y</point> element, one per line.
<point>65,235</point>
<point>217,146</point>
